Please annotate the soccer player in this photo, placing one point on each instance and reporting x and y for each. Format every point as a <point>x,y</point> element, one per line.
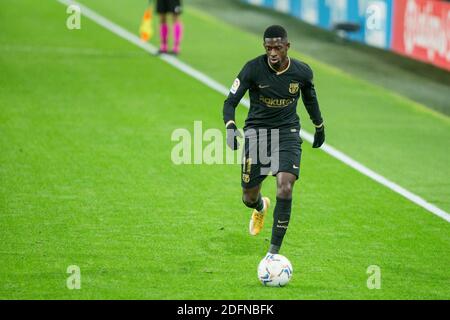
<point>173,7</point>
<point>275,82</point>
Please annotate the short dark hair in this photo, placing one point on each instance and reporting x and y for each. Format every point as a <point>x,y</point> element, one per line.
<point>275,31</point>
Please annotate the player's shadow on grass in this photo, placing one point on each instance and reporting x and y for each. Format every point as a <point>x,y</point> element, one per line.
<point>234,243</point>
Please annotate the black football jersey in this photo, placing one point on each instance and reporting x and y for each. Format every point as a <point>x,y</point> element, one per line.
<point>273,95</point>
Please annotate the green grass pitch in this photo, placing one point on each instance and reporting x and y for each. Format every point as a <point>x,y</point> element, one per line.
<point>86,177</point>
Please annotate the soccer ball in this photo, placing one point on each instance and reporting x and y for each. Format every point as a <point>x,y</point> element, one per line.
<point>274,270</point>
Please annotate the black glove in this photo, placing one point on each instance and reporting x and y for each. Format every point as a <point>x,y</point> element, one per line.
<point>319,137</point>
<point>232,134</point>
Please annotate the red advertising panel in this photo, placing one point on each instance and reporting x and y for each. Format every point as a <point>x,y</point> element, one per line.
<point>421,30</point>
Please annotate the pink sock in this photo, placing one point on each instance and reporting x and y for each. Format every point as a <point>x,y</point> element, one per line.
<point>164,34</point>
<point>178,35</point>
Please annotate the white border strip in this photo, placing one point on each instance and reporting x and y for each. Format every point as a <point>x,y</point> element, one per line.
<point>121,32</point>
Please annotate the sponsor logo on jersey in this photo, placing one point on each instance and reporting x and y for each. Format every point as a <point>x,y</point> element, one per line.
<point>276,103</point>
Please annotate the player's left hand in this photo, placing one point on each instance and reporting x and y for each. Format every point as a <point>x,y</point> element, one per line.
<point>319,137</point>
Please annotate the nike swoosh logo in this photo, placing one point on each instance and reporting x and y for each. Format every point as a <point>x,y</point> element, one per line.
<point>262,86</point>
<point>294,166</point>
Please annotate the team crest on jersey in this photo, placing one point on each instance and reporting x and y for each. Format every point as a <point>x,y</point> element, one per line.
<point>293,87</point>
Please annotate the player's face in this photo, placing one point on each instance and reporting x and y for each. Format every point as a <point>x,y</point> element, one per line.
<point>276,50</point>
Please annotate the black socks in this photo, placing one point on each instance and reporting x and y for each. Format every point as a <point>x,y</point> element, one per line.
<point>281,217</point>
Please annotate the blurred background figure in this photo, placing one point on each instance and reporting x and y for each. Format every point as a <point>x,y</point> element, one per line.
<point>146,30</point>
<point>165,8</point>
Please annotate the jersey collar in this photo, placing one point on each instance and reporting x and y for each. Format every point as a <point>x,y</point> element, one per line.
<point>282,71</point>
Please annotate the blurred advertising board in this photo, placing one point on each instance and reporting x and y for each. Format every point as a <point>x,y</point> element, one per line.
<point>419,29</point>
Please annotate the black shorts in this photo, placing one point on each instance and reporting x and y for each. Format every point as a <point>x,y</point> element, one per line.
<point>168,6</point>
<point>267,153</point>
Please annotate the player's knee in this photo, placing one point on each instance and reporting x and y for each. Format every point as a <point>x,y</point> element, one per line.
<point>250,200</point>
<point>284,190</point>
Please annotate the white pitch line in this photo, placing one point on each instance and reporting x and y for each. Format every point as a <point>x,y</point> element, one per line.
<point>211,83</point>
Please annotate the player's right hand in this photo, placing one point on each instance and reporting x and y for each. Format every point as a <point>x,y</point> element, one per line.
<point>232,134</point>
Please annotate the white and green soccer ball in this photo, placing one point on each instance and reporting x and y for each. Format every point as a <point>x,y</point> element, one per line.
<point>275,270</point>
